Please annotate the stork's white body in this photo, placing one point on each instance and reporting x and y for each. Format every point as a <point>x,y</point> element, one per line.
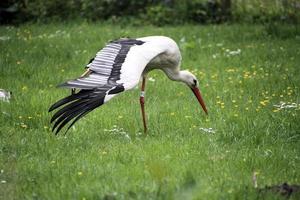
<point>118,67</point>
<point>158,52</point>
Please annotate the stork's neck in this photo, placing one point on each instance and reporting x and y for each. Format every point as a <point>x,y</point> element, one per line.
<point>174,75</point>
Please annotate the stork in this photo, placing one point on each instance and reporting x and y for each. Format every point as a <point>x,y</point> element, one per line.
<point>116,68</point>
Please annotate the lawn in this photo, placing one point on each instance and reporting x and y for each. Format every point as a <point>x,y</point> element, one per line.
<point>249,77</point>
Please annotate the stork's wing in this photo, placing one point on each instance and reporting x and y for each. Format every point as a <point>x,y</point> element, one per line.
<point>117,67</point>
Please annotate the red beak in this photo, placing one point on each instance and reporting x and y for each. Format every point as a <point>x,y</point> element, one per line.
<point>196,92</point>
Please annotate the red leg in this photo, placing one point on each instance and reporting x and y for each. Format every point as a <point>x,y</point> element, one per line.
<point>142,101</point>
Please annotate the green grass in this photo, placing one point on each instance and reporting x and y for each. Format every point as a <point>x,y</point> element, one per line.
<point>106,156</point>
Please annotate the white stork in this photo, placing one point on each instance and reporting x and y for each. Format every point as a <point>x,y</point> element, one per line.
<point>116,68</point>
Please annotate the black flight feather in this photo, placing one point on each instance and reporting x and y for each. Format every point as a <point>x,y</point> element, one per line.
<point>84,103</point>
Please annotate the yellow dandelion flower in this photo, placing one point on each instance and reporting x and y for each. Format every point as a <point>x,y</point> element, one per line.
<point>172,113</point>
<point>247,108</point>
<point>233,101</point>
<point>180,94</point>
<point>230,70</point>
<point>79,173</point>
<point>23,125</point>
<point>263,103</point>
<point>214,76</point>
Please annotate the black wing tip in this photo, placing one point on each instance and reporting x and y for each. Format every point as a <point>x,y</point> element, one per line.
<point>53,107</point>
<point>80,106</point>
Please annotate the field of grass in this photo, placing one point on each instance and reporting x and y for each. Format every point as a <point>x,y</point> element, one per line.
<point>244,73</point>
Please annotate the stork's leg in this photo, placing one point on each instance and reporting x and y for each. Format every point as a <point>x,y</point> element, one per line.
<point>142,101</point>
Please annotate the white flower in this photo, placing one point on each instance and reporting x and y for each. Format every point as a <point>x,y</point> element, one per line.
<point>207,130</point>
<point>182,40</point>
<point>283,105</point>
<point>151,79</point>
<point>228,52</point>
<point>118,131</point>
<point>3,38</point>
<point>215,56</point>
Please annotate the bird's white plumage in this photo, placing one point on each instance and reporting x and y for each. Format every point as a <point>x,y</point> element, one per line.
<point>156,52</point>
<point>117,67</point>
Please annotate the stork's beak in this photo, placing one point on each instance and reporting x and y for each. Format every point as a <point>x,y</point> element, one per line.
<point>196,92</point>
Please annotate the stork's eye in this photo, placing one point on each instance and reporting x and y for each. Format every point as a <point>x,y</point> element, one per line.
<point>195,82</point>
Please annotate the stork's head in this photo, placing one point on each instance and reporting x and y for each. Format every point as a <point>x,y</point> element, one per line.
<point>191,80</point>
